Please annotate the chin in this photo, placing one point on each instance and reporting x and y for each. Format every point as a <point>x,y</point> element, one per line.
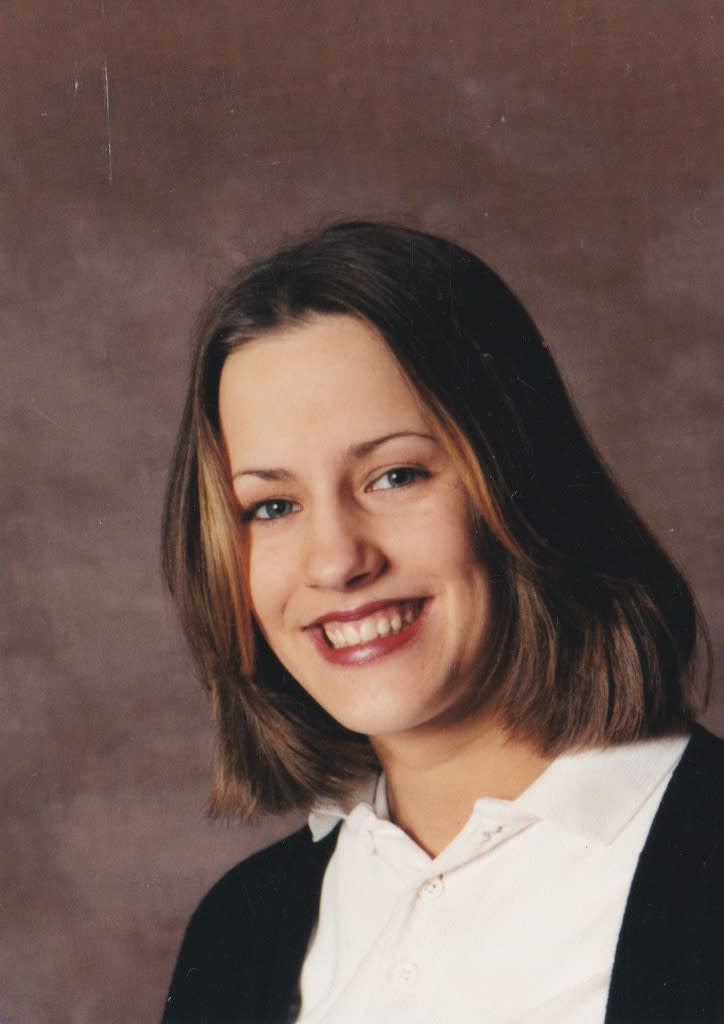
<point>390,715</point>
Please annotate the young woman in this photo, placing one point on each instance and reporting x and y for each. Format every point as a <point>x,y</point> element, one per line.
<point>426,614</point>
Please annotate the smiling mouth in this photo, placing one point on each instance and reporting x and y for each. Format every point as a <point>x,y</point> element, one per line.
<point>389,621</point>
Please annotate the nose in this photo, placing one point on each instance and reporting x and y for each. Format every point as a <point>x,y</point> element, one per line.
<point>342,551</point>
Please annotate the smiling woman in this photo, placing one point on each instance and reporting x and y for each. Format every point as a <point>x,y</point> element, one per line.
<point>427,615</point>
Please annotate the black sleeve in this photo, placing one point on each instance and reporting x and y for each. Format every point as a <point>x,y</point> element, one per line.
<point>669,965</point>
<point>243,950</point>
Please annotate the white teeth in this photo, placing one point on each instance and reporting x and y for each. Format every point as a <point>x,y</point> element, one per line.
<point>336,638</point>
<point>351,635</point>
<point>367,631</point>
<point>348,634</point>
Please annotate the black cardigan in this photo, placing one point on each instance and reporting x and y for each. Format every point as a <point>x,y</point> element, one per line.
<point>243,950</point>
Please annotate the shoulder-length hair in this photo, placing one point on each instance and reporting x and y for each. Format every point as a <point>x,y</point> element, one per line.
<point>595,629</point>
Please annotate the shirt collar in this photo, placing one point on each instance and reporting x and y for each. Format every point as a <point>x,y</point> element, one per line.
<point>593,792</point>
<point>325,815</point>
<point>596,792</point>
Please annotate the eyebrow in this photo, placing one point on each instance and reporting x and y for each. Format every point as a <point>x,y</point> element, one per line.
<point>355,451</point>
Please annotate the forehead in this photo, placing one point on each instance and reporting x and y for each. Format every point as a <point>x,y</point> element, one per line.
<point>332,375</point>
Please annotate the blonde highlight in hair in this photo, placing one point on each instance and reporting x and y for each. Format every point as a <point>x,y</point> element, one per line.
<point>467,464</point>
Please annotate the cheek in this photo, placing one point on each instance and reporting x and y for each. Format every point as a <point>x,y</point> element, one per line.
<point>451,538</point>
<point>456,551</point>
<point>268,571</point>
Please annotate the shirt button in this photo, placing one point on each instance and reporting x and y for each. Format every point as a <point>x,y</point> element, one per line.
<point>432,888</point>
<point>405,974</point>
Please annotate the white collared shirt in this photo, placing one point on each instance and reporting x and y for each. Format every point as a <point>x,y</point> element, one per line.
<point>515,921</point>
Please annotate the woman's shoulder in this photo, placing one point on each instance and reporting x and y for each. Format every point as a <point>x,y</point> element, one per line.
<point>256,883</point>
<point>699,775</point>
<point>244,944</point>
<point>705,744</point>
<point>691,813</point>
<point>668,961</point>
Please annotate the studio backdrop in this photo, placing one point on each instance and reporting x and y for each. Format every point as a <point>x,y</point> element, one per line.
<point>147,147</point>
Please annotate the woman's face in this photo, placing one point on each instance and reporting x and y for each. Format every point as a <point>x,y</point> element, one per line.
<point>362,566</point>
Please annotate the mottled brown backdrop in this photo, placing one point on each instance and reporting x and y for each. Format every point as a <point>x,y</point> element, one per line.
<point>146,146</point>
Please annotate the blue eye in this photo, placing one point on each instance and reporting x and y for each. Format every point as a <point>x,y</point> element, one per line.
<point>400,476</point>
<point>275,508</point>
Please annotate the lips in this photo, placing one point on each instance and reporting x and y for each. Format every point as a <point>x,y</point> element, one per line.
<point>368,632</point>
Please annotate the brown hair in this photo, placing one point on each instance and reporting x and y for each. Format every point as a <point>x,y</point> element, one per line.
<point>595,628</point>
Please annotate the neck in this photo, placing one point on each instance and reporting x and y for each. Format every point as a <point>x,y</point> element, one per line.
<point>434,779</point>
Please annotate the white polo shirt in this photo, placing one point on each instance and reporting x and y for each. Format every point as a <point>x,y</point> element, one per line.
<point>516,920</point>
